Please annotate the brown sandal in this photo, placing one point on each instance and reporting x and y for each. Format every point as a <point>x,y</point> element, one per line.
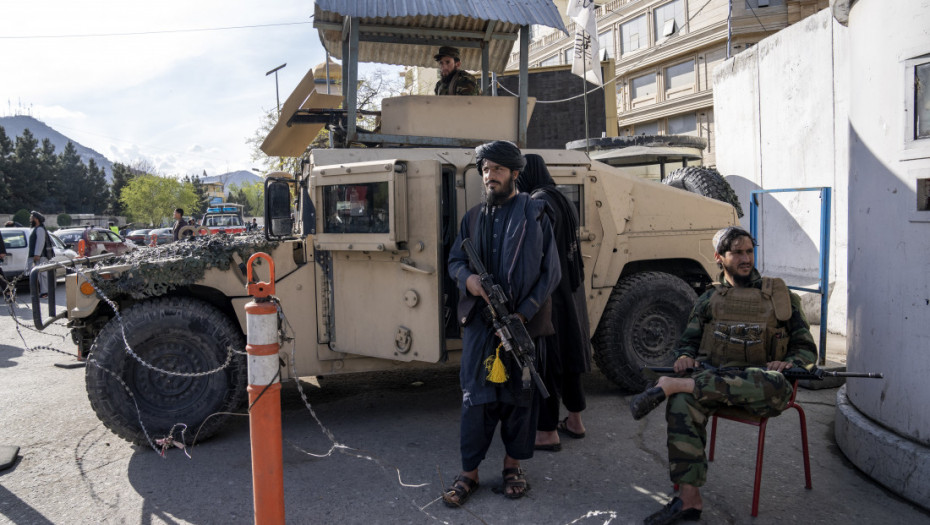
<point>462,487</point>
<point>514,479</point>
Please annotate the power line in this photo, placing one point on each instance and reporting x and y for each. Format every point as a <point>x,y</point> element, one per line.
<point>165,31</point>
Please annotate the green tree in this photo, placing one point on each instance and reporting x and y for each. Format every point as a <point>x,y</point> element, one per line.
<point>72,174</point>
<point>23,193</point>
<point>122,174</point>
<point>22,217</point>
<point>151,198</point>
<point>372,89</point>
<point>64,220</point>
<point>197,186</point>
<point>46,177</point>
<point>94,192</point>
<point>6,163</point>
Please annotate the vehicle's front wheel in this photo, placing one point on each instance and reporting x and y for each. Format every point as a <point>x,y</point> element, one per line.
<point>641,325</point>
<point>173,334</point>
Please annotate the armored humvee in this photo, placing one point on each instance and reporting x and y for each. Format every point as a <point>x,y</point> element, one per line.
<point>360,236</point>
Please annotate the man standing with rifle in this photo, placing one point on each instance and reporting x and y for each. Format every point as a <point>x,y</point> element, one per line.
<point>750,328</point>
<point>504,311</point>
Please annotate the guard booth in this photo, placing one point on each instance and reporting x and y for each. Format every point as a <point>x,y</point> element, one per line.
<point>409,33</point>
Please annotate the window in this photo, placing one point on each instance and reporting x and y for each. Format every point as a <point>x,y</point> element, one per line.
<point>605,42</point>
<point>755,4</point>
<point>922,101</point>
<point>569,55</point>
<point>550,61</point>
<point>644,86</point>
<point>356,208</point>
<point>680,75</point>
<point>682,125</point>
<point>646,128</point>
<point>669,19</point>
<point>633,35</point>
<point>14,239</point>
<point>573,193</point>
<point>923,194</point>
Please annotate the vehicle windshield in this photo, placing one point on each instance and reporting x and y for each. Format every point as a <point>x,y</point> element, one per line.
<point>222,220</point>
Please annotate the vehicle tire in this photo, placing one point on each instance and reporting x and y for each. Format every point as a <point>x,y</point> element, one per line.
<point>187,231</point>
<point>172,333</point>
<point>704,181</point>
<point>641,325</point>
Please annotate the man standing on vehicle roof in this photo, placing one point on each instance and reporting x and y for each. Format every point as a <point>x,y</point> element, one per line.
<point>513,236</point>
<point>750,328</point>
<point>454,81</point>
<point>179,222</point>
<point>40,249</point>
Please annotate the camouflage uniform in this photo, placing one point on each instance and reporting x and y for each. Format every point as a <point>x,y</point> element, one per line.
<point>460,83</point>
<point>758,391</point>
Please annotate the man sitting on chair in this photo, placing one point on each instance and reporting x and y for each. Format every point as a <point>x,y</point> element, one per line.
<point>750,328</point>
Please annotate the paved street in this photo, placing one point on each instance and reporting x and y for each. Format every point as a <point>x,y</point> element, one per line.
<point>401,434</point>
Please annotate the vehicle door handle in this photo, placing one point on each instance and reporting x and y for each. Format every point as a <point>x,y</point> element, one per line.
<point>408,265</point>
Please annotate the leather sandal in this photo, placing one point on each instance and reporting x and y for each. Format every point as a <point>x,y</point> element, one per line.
<point>462,487</point>
<point>563,428</point>
<point>514,478</point>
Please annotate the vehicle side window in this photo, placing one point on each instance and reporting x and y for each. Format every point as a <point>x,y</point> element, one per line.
<point>356,208</point>
<point>14,240</point>
<point>113,237</point>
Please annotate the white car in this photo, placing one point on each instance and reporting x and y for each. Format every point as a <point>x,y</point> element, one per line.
<point>16,240</point>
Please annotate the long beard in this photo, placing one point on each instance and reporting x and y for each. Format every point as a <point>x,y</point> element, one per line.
<point>447,78</point>
<point>500,195</point>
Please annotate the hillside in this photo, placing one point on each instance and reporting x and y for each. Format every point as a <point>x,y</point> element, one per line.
<point>233,177</point>
<point>14,126</point>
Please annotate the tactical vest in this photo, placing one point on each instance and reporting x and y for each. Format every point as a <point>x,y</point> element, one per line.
<point>747,326</point>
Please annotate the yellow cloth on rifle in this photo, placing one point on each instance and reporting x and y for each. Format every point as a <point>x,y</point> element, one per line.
<point>497,372</point>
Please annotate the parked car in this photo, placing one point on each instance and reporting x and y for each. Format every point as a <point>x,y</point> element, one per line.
<point>139,237</point>
<point>96,241</point>
<point>161,236</point>
<point>15,240</point>
<point>224,218</point>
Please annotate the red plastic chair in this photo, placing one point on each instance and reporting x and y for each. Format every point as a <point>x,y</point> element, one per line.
<point>741,416</point>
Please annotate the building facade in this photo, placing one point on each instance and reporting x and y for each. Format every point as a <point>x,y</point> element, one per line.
<point>664,52</point>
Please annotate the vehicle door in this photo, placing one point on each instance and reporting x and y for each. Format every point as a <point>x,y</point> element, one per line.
<point>378,254</point>
<point>16,243</point>
<point>113,242</point>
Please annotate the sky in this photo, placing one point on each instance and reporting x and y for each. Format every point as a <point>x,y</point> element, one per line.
<point>179,84</point>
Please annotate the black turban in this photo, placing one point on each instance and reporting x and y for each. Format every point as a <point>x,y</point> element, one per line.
<point>535,175</point>
<point>505,153</point>
<point>39,217</point>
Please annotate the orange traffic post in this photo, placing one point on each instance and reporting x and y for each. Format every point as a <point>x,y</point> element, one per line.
<point>264,398</point>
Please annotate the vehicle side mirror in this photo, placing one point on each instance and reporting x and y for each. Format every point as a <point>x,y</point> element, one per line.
<point>279,218</point>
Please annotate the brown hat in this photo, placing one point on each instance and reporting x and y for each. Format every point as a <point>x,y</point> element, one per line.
<point>448,51</point>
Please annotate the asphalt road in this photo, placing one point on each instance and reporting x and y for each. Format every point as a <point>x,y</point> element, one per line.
<point>400,437</point>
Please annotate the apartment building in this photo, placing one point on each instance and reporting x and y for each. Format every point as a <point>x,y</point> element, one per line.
<point>664,52</point>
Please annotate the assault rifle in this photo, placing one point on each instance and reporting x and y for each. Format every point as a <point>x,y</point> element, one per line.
<point>795,373</point>
<point>511,330</point>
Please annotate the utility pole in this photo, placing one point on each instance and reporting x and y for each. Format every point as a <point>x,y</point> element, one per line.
<point>276,97</point>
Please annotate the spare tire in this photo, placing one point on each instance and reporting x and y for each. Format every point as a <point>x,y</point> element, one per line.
<point>704,181</point>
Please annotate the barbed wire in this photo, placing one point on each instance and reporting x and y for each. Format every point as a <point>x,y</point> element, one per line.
<point>161,445</point>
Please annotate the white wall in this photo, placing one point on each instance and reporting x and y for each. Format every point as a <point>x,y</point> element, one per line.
<point>776,110</point>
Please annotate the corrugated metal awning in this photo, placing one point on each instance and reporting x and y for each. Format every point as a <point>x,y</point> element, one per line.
<point>408,32</point>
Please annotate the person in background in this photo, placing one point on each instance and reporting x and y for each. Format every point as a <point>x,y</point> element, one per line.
<point>40,249</point>
<point>179,222</point>
<point>568,352</point>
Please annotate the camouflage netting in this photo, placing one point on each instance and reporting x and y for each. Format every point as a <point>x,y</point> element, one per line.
<point>157,270</point>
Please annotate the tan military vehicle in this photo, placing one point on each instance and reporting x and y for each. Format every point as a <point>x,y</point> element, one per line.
<point>360,259</point>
